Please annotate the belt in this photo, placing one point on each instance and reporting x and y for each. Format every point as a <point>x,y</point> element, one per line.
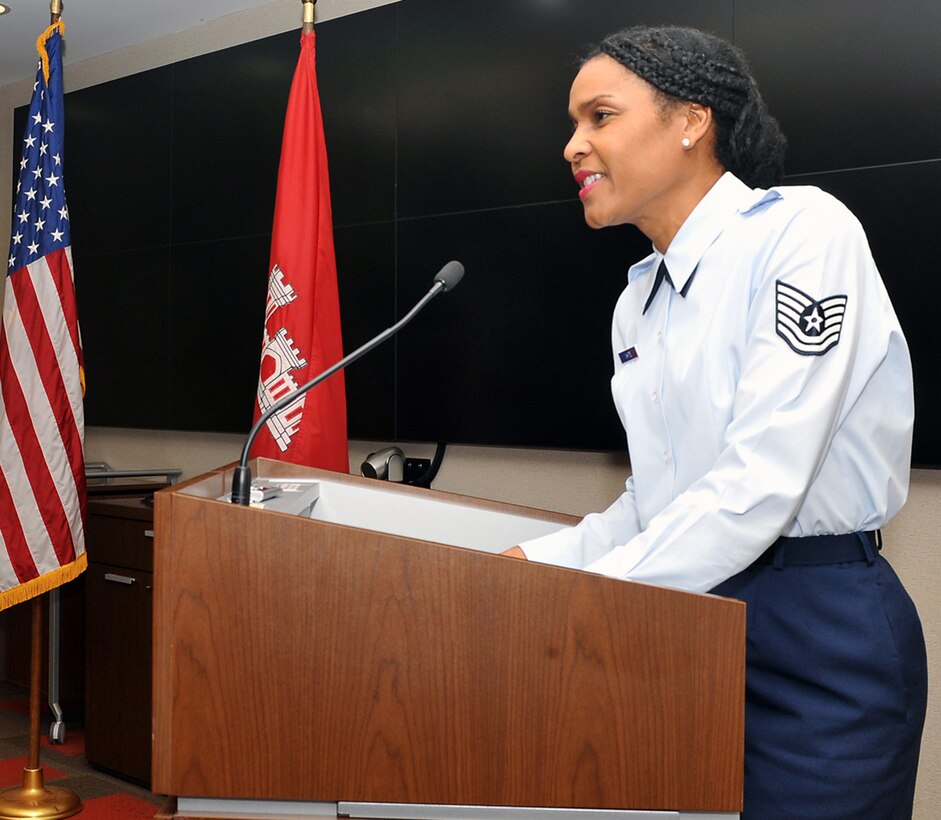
<point>816,550</point>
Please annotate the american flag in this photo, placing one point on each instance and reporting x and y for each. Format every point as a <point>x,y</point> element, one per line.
<point>42,423</point>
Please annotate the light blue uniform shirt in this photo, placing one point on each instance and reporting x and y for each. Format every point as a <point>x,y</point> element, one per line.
<point>774,398</point>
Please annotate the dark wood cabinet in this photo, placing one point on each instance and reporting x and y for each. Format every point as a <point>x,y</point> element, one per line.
<point>118,637</point>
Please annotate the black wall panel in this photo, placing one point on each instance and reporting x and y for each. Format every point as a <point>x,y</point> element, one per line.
<point>356,75</point>
<point>503,359</point>
<point>445,125</point>
<point>214,298</point>
<point>124,314</point>
<point>853,82</point>
<point>119,164</point>
<point>366,273</point>
<point>225,107</point>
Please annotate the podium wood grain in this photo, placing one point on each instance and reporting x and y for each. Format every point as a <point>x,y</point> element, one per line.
<point>301,660</point>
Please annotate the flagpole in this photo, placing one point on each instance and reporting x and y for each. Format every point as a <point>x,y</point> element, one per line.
<point>33,798</point>
<point>308,15</point>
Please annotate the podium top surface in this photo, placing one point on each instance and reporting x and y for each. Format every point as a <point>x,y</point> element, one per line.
<point>394,509</point>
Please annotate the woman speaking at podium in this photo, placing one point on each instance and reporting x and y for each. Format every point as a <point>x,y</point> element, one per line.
<point>765,388</point>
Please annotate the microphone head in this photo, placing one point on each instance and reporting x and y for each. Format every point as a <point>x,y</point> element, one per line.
<point>450,275</point>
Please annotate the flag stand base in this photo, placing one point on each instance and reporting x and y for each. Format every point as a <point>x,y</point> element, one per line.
<point>33,799</point>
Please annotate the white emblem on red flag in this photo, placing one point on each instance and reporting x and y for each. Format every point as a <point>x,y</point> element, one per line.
<point>279,358</point>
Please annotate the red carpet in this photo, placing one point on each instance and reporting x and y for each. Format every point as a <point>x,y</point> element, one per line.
<point>11,772</point>
<point>74,743</point>
<point>20,706</point>
<point>117,807</point>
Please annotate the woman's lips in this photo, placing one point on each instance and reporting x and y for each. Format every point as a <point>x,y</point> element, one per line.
<point>587,181</point>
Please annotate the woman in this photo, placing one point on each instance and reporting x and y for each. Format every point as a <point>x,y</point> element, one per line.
<point>765,387</point>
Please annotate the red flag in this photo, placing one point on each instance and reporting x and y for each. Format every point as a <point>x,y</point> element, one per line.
<point>302,316</point>
<point>42,422</point>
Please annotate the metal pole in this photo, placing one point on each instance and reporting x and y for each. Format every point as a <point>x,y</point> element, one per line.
<point>35,683</point>
<point>34,799</point>
<point>57,727</point>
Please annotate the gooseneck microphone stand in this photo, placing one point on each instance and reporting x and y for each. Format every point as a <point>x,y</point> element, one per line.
<point>446,279</point>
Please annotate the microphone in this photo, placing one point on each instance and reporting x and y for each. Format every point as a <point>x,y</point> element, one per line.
<point>449,275</point>
<point>446,279</point>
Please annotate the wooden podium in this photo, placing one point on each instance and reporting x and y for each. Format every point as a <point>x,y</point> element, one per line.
<point>376,659</point>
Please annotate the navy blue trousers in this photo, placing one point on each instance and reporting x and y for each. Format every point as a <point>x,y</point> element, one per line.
<point>836,690</point>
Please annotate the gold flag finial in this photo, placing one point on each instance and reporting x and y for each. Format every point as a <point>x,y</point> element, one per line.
<point>308,14</point>
<point>55,9</point>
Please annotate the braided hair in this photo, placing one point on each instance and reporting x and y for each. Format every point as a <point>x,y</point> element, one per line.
<point>684,64</point>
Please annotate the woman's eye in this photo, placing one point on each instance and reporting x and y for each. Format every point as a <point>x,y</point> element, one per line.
<point>601,115</point>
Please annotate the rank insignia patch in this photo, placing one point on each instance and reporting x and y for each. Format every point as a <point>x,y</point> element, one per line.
<point>810,326</point>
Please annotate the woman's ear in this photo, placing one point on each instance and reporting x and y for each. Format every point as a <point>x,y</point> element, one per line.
<point>698,123</point>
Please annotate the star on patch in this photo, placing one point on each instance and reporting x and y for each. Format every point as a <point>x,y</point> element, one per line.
<point>810,326</point>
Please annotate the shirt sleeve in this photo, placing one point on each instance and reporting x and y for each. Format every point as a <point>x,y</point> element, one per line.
<point>595,535</point>
<point>787,407</point>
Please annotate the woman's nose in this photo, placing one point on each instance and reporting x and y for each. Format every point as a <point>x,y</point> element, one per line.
<point>576,147</point>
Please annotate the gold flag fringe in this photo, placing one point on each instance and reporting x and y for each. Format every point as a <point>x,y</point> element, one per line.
<point>44,583</point>
<point>58,25</point>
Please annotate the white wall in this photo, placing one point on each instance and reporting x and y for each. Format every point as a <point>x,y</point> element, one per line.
<point>571,482</point>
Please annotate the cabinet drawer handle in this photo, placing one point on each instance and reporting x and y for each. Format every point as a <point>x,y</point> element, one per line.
<point>119,579</point>
<point>148,533</point>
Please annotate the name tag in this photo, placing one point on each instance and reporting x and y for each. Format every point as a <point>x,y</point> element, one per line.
<point>628,355</point>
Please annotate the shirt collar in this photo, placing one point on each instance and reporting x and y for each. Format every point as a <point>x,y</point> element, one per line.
<point>728,197</point>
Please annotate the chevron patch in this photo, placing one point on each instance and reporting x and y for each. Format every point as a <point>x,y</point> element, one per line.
<point>810,326</point>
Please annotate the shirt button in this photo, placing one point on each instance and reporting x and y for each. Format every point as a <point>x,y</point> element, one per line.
<point>655,396</point>
<point>660,337</point>
<point>666,457</point>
